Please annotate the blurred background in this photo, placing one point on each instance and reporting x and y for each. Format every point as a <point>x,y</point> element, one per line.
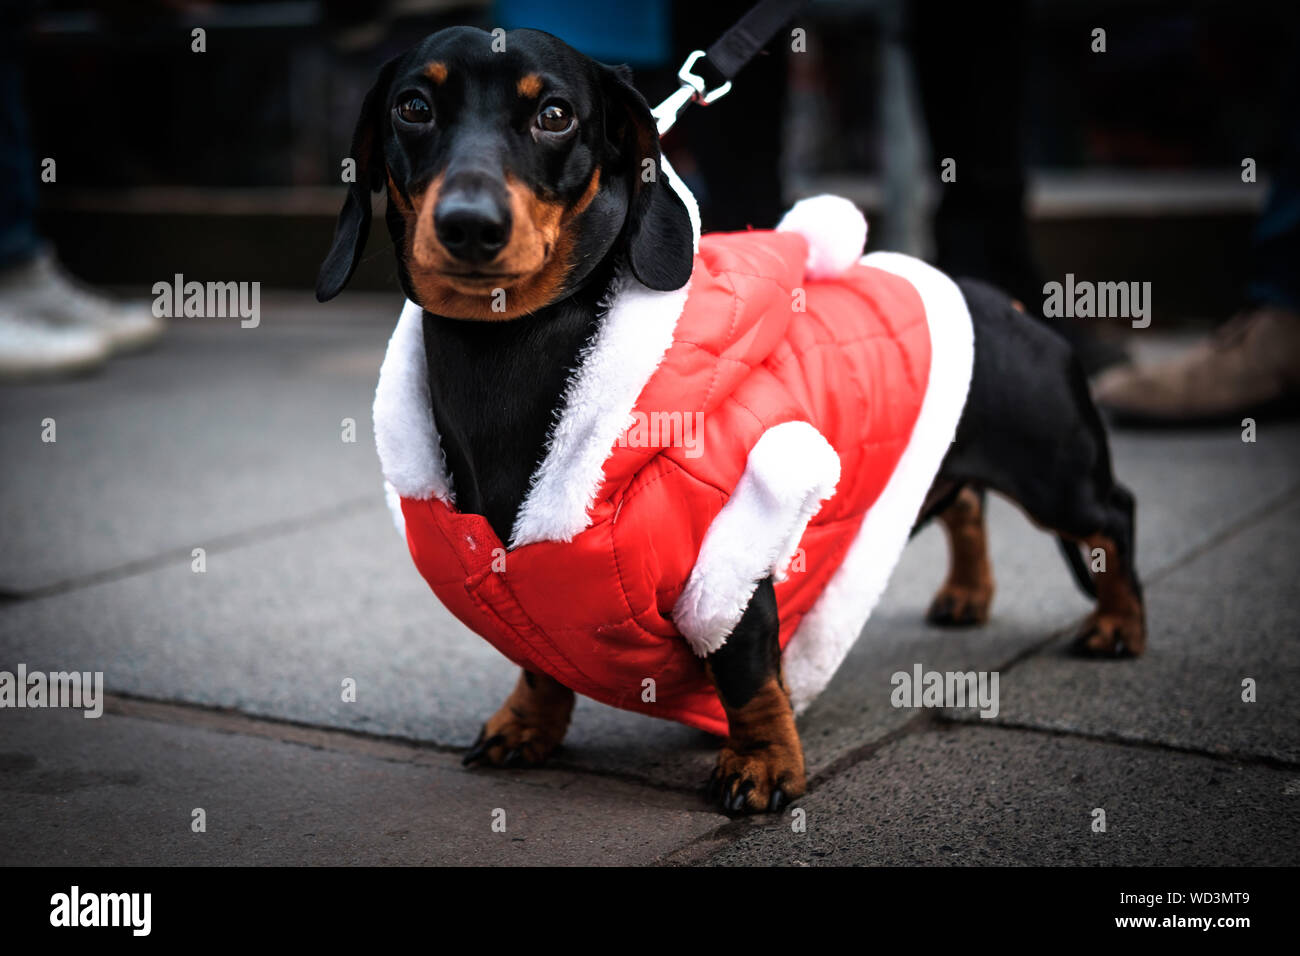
<point>1131,157</point>
<point>204,521</point>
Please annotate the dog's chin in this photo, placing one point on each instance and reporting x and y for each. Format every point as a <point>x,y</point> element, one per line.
<point>483,296</point>
<point>480,283</point>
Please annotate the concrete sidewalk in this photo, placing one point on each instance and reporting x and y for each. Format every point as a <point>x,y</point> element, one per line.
<point>226,684</point>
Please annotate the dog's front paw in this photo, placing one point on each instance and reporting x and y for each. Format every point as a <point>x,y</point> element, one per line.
<point>956,606</point>
<point>757,781</point>
<point>527,728</point>
<point>507,741</point>
<point>1111,635</point>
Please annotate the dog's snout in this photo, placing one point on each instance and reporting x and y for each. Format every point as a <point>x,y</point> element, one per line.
<point>473,226</point>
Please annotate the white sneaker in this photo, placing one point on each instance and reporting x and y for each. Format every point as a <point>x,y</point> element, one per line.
<point>31,349</point>
<point>41,290</point>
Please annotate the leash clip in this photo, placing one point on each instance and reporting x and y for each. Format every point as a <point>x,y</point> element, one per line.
<point>691,91</point>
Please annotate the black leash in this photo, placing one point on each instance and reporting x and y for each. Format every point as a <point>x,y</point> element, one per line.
<point>726,57</point>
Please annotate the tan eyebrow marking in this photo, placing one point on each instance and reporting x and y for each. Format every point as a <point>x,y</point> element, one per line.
<point>437,72</point>
<point>530,86</point>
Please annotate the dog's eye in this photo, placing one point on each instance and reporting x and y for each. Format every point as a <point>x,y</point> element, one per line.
<point>555,118</point>
<point>414,109</point>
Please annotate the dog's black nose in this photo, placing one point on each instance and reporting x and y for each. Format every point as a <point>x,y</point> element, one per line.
<point>472,226</point>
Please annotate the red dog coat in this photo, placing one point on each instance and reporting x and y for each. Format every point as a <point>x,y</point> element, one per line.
<point>783,414</point>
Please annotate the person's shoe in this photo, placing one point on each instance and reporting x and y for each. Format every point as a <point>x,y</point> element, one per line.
<point>40,290</point>
<point>30,350</point>
<point>1250,363</point>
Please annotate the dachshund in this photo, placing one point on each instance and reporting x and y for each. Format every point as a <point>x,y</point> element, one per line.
<point>516,191</point>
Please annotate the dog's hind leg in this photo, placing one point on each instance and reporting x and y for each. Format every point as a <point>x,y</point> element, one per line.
<point>967,593</point>
<point>1031,432</point>
<point>1077,498</point>
<point>760,767</point>
<point>1094,510</point>
<point>1118,624</point>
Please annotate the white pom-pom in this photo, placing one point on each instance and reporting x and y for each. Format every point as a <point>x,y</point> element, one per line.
<point>836,232</point>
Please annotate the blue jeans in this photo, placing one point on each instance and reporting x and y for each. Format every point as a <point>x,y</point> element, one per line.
<point>637,34</point>
<point>18,170</point>
<point>1275,263</point>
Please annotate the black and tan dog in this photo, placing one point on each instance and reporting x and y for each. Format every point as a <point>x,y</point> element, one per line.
<point>521,170</point>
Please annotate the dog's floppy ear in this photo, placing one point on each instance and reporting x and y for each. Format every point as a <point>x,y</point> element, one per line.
<point>660,240</point>
<point>354,219</point>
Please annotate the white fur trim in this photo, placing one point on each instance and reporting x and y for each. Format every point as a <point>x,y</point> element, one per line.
<point>629,344</point>
<point>631,341</point>
<point>790,471</point>
<point>831,627</point>
<point>836,232</point>
<point>410,453</point>
<point>394,502</point>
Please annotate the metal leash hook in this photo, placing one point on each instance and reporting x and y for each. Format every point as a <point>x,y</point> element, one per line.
<point>691,91</point>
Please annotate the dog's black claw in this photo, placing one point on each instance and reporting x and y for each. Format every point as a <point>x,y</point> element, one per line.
<point>1080,643</point>
<point>945,615</point>
<point>515,758</point>
<point>940,613</point>
<point>475,749</point>
<point>738,799</point>
<point>727,784</point>
<point>481,747</point>
<point>778,800</point>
